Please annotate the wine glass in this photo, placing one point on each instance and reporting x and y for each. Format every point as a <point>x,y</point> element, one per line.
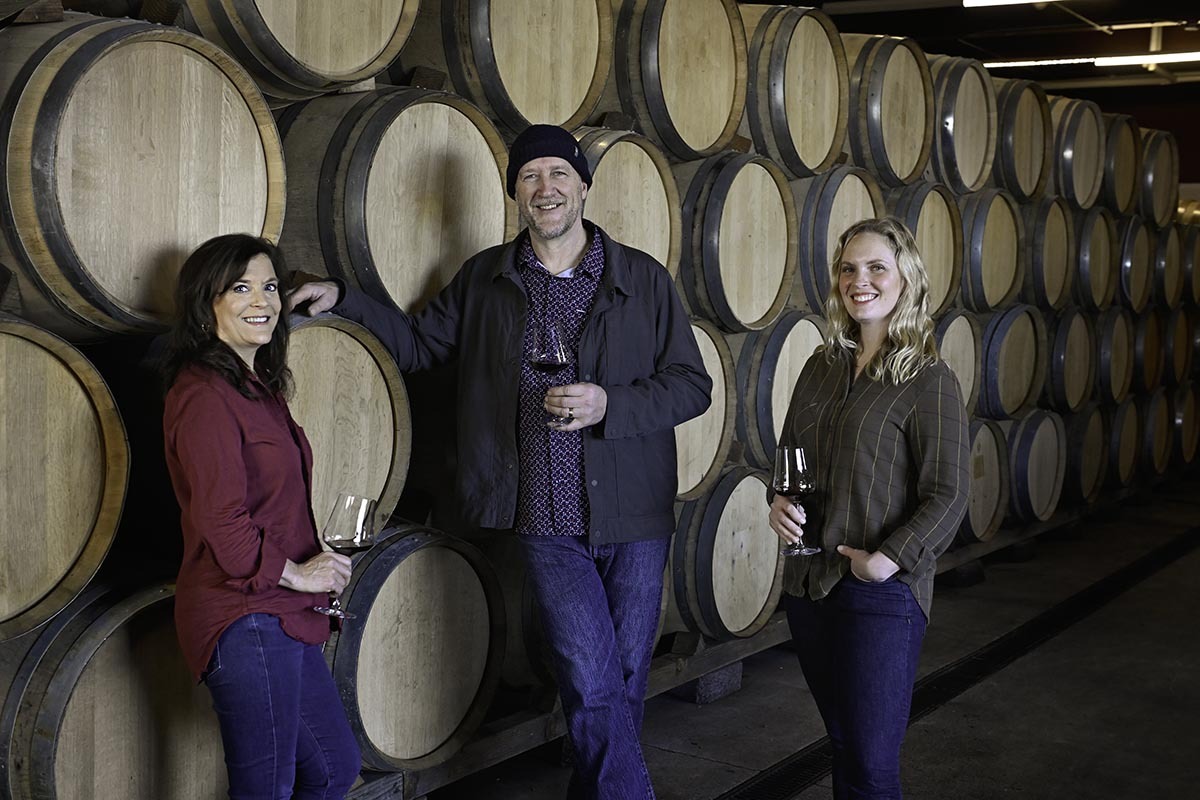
<point>793,478</point>
<point>351,527</point>
<point>550,355</point>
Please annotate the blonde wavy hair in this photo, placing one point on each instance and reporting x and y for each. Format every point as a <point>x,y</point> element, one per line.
<point>910,346</point>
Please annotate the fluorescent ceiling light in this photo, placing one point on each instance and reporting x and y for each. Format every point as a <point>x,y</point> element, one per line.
<point>981,3</point>
<point>1039,62</point>
<point>1146,58</point>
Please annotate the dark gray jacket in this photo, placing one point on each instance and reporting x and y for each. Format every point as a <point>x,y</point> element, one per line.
<point>637,344</point>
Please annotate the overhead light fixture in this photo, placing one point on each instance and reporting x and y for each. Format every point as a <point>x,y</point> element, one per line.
<point>1038,62</point>
<point>1146,58</point>
<point>982,3</point>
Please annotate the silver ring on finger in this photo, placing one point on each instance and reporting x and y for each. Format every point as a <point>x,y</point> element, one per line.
<point>570,415</point>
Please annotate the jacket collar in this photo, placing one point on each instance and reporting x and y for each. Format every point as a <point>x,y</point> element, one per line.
<point>616,265</point>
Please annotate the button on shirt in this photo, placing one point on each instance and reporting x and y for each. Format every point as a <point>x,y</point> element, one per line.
<point>551,498</point>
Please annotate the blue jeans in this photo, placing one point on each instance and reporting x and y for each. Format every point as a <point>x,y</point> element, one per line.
<point>284,729</point>
<point>859,649</point>
<point>599,609</point>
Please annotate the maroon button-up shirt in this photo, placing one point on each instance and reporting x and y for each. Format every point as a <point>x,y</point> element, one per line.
<point>241,470</point>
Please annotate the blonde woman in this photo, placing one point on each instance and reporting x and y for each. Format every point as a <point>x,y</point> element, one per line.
<point>883,420</point>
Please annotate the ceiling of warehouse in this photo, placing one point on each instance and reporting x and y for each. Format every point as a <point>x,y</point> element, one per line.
<point>1165,97</point>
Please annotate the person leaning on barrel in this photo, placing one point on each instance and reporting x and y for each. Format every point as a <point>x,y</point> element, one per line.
<point>883,421</point>
<point>252,567</point>
<point>579,461</point>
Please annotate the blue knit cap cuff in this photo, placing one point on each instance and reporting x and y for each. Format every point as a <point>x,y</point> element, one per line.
<point>540,141</point>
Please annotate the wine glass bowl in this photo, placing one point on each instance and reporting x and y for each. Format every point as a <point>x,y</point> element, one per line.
<point>351,527</point>
<point>550,352</point>
<point>794,478</point>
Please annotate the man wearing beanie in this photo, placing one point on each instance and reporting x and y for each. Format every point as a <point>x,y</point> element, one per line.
<point>580,461</point>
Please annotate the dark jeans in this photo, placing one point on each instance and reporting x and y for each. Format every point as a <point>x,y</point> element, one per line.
<point>284,729</point>
<point>859,649</point>
<point>600,608</point>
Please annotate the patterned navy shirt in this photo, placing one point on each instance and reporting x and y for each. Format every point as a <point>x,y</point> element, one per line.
<point>551,497</point>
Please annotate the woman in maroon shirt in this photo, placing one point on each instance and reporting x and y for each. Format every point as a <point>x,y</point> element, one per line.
<point>252,567</point>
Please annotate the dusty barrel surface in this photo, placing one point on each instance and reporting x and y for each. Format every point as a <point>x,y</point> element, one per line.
<point>930,211</point>
<point>799,87</point>
<point>959,341</point>
<point>740,239</point>
<point>1037,453</point>
<point>1137,256</point>
<point>1071,360</point>
<point>393,190</point>
<point>1124,431</point>
<point>768,365</point>
<point>351,401</point>
<point>891,106</point>
<point>965,122</point>
<point>680,70</point>
<point>1014,361</point>
<point>1087,454</point>
<point>147,141</point>
<point>827,205</point>
<point>1114,354</point>
<point>993,249</point>
<point>1122,163</point>
<point>1078,149</point>
<point>66,465</point>
<point>1097,257</point>
<point>300,50</point>
<point>702,443</point>
<point>989,496</point>
<point>726,570</point>
<point>102,705</point>
<point>1159,188</point>
<point>1050,252</point>
<point>633,196</point>
<point>418,668</point>
<point>1025,137</point>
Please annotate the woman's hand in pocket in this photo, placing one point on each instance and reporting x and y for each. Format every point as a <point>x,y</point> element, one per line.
<point>869,567</point>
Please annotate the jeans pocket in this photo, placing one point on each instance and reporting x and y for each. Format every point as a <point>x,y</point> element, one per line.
<point>214,665</point>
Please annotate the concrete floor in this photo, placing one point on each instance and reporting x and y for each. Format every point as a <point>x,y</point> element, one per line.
<point>1106,709</point>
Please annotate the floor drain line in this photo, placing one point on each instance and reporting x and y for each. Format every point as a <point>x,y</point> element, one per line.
<point>802,769</point>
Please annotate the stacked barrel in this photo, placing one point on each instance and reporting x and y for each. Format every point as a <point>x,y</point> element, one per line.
<point>733,142</point>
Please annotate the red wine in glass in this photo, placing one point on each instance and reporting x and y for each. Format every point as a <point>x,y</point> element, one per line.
<point>793,478</point>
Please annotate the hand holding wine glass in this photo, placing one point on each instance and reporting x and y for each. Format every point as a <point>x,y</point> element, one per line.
<point>550,355</point>
<point>793,478</point>
<point>351,527</point>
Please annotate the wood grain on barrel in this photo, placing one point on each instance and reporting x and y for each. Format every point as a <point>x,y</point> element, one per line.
<point>1024,138</point>
<point>701,56</point>
<point>1098,255</point>
<point>1168,267</point>
<point>703,442</point>
<point>745,558</point>
<point>1051,253</point>
<point>966,123</point>
<point>1122,163</point>
<point>827,205</point>
<point>988,499</point>
<point>757,244</point>
<point>1160,176</point>
<point>958,334</point>
<point>1114,354</point>
<point>1136,281</point>
<point>1079,140</point>
<point>931,213</point>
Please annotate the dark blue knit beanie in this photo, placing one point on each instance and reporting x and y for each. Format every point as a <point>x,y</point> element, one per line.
<point>540,141</point>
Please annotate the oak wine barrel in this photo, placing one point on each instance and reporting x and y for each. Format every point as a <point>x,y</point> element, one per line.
<point>1124,431</point>
<point>931,212</point>
<point>66,465</point>
<point>1071,372</point>
<point>485,48</point>
<point>959,341</point>
<point>1122,163</point>
<point>418,668</point>
<point>993,256</point>
<point>393,190</point>
<point>1014,361</point>
<point>740,239</point>
<point>1050,252</point>
<point>1137,243</point>
<point>1024,140</point>
<point>680,71</point>
<point>702,443</point>
<point>1185,415</point>
<point>726,569</point>
<point>1190,254</point>
<point>147,141</point>
<point>988,501</point>
<point>1159,192</point>
<point>1157,433</point>
<point>1177,338</point>
<point>1148,353</point>
<point>1037,460</point>
<point>1169,284</point>
<point>798,99</point>
<point>1098,254</point>
<point>891,106</point>
<point>527,659</point>
<point>102,705</point>
<point>768,365</point>
<point>633,196</point>
<point>965,123</point>
<point>300,50</point>
<point>1087,454</point>
<point>827,205</point>
<point>1079,144</point>
<point>1114,355</point>
<point>351,401</point>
